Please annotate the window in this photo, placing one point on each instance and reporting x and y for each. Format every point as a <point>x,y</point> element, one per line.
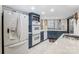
<point>57,24</point>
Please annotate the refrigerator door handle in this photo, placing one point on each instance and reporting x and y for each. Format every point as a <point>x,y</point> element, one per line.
<point>17,44</point>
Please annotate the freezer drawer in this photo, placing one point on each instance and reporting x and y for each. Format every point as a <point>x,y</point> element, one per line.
<point>18,48</point>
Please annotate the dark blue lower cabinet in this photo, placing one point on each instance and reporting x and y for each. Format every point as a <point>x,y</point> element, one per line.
<point>54,34</point>
<point>42,36</point>
<point>30,40</point>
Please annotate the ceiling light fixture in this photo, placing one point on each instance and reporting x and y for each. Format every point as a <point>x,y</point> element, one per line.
<point>52,10</point>
<point>42,13</point>
<point>33,8</point>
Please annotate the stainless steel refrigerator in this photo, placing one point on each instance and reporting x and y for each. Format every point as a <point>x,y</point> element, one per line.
<point>15,32</point>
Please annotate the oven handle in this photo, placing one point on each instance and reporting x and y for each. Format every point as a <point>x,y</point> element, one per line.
<point>17,44</point>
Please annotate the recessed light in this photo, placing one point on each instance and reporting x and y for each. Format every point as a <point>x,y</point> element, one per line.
<point>52,10</point>
<point>33,8</point>
<point>42,13</point>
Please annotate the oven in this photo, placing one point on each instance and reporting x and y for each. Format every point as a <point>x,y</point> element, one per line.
<point>34,29</point>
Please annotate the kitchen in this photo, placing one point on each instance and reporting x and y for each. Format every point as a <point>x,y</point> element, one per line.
<point>27,29</point>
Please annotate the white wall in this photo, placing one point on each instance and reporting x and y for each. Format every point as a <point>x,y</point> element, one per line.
<point>0,26</point>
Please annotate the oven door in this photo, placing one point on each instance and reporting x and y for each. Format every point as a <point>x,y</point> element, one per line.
<point>35,38</point>
<point>35,29</point>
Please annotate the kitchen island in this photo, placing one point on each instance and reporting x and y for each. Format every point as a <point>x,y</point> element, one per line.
<point>63,45</point>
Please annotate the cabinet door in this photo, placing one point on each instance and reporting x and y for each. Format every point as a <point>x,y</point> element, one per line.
<point>45,35</point>
<point>42,36</point>
<point>51,24</point>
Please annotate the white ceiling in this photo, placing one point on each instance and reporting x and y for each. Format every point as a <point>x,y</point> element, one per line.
<point>60,11</point>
